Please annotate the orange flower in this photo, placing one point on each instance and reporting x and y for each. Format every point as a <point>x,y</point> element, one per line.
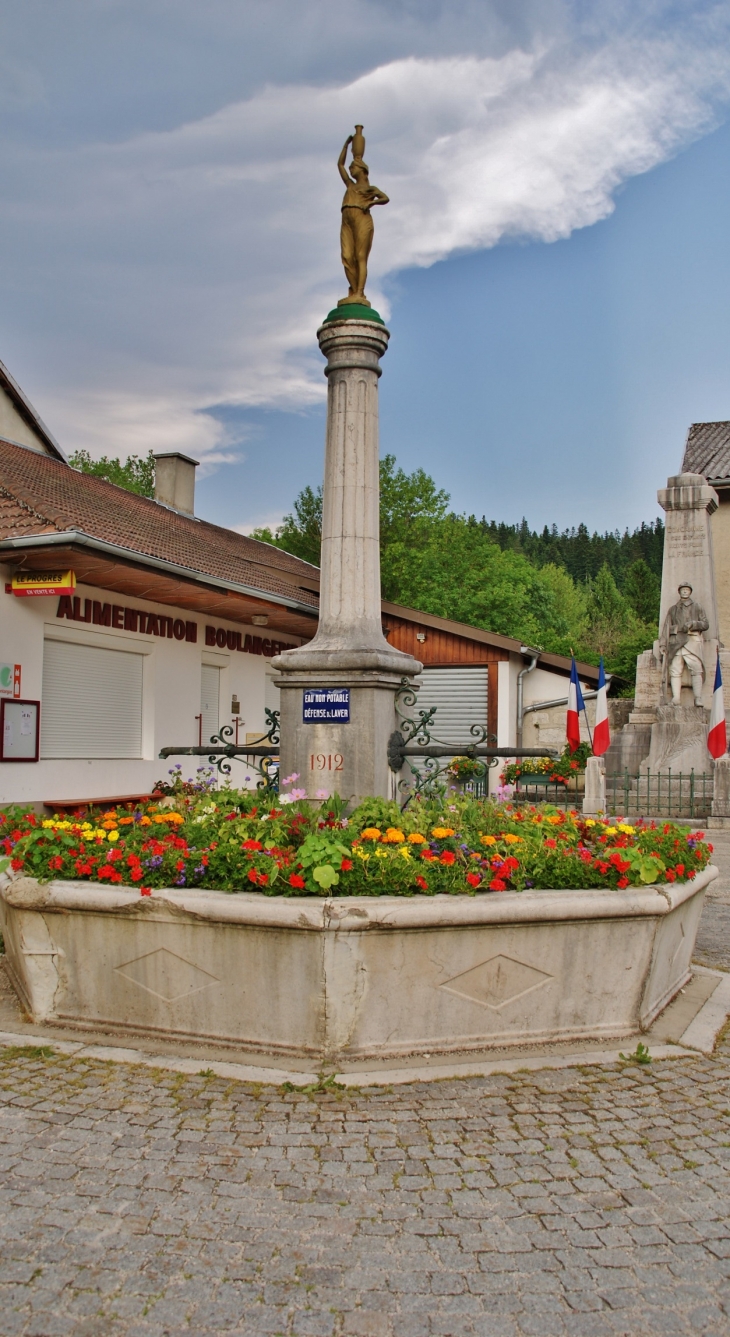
<point>371,833</point>
<point>415,838</point>
<point>393,836</point>
<point>442,832</point>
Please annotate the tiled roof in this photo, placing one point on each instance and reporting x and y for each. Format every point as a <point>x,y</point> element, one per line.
<point>707,451</point>
<point>40,495</point>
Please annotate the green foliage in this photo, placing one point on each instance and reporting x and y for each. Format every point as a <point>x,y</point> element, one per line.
<point>136,474</point>
<point>639,1055</point>
<point>234,841</point>
<point>642,588</point>
<point>583,554</point>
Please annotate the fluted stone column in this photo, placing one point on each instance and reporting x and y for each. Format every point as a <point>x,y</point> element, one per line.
<point>349,650</point>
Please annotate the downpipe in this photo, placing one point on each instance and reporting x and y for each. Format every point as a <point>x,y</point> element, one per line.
<point>534,656</point>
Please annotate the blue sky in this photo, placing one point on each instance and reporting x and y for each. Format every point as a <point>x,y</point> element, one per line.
<point>553,264</point>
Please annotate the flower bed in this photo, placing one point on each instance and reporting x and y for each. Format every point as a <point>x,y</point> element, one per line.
<point>559,770</point>
<point>241,841</point>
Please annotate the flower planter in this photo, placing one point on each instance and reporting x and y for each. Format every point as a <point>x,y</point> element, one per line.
<point>352,977</point>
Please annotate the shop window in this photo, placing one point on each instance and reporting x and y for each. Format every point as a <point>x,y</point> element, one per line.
<point>92,702</point>
<point>210,691</point>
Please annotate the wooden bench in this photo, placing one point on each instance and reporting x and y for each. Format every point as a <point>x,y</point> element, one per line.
<point>76,804</point>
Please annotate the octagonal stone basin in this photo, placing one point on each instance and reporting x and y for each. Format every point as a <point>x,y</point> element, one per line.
<point>352,978</point>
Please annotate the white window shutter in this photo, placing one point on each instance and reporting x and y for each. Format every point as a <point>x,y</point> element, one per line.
<point>92,702</point>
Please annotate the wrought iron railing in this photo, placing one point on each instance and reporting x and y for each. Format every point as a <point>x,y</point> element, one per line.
<point>261,756</point>
<point>655,794</point>
<point>415,738</point>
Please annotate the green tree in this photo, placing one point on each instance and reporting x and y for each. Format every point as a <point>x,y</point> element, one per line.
<point>301,533</point>
<point>608,614</point>
<point>409,503</point>
<point>643,591</point>
<point>136,474</point>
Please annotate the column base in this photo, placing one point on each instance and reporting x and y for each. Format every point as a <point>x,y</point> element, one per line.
<point>349,758</point>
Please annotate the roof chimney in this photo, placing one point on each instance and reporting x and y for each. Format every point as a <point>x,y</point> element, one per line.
<point>175,481</point>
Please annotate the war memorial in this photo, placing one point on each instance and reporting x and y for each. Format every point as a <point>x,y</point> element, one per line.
<point>487,948</point>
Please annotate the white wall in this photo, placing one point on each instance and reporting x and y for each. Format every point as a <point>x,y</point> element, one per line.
<point>171,694</point>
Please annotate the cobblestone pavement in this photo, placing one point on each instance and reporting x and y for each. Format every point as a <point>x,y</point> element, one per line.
<point>585,1202</point>
<point>581,1201</point>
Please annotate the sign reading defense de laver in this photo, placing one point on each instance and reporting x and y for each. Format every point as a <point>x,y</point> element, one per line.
<point>325,705</point>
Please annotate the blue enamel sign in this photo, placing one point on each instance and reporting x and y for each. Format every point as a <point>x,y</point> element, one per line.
<point>326,705</point>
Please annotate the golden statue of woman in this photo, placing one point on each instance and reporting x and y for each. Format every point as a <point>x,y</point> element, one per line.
<point>356,234</point>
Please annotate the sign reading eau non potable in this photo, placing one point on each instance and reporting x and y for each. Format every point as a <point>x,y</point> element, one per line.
<point>326,705</point>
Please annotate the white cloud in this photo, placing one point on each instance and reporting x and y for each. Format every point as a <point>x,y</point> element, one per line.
<point>193,266</point>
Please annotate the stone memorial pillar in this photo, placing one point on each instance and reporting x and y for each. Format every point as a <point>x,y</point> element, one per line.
<point>679,732</point>
<point>337,692</point>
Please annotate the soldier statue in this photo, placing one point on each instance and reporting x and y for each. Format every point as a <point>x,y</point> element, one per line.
<point>681,643</point>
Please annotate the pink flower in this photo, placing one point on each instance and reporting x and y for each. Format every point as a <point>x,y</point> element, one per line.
<point>298,793</point>
<point>322,793</point>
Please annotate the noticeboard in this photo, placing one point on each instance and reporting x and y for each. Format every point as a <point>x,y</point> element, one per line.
<point>326,705</point>
<point>19,730</point>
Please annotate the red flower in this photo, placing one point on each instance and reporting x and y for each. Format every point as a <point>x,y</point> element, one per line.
<point>204,860</point>
<point>145,891</point>
<point>252,845</point>
<point>623,882</point>
<point>16,864</point>
<point>679,869</point>
<point>346,865</point>
<point>473,879</point>
<point>180,865</point>
<point>510,863</point>
<point>296,881</point>
<point>55,862</point>
<point>670,875</point>
<point>447,857</point>
<point>106,870</point>
<point>551,844</point>
<point>422,883</point>
<point>136,874</point>
<point>497,884</point>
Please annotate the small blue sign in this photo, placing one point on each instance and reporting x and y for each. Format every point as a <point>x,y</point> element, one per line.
<point>326,705</point>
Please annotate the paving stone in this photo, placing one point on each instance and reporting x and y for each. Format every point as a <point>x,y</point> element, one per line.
<point>590,1202</point>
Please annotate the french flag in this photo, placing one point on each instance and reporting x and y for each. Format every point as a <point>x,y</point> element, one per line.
<point>717,735</point>
<point>601,732</point>
<point>575,705</point>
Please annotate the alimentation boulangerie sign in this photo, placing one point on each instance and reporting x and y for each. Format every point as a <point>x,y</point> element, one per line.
<point>326,705</point>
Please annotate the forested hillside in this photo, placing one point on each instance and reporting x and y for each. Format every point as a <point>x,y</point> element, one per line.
<point>592,593</point>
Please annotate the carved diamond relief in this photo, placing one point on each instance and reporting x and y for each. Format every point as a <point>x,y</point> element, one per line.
<point>166,975</point>
<point>497,982</point>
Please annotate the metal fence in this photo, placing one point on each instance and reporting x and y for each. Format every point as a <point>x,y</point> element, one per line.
<point>673,794</point>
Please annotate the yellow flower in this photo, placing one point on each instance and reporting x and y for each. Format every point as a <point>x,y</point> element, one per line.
<point>415,838</point>
<point>488,840</point>
<point>361,854</point>
<point>510,839</point>
<point>590,821</point>
<point>627,830</point>
<point>371,833</point>
<point>393,836</point>
<point>442,832</point>
<point>381,854</point>
<point>610,830</point>
<point>404,852</point>
<point>113,835</point>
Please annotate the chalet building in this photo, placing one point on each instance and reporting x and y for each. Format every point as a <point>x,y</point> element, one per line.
<point>128,624</point>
